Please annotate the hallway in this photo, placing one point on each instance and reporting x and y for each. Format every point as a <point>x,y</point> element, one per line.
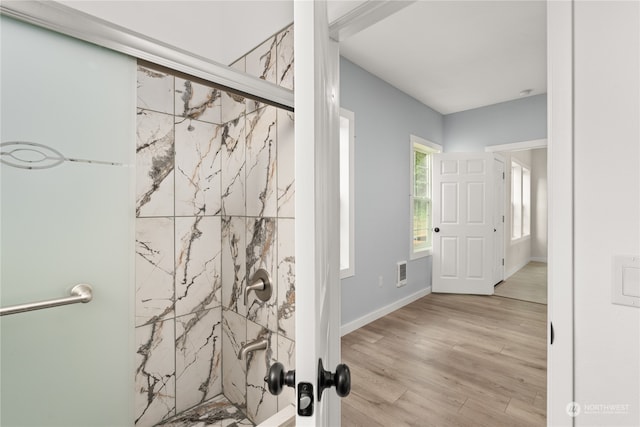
<point>527,284</point>
<point>449,360</point>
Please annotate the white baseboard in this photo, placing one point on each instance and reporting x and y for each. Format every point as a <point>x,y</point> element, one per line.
<point>515,269</point>
<point>383,311</point>
<point>539,259</point>
<point>519,267</point>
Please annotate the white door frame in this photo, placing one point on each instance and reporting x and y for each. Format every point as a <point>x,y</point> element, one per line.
<point>518,146</point>
<point>560,355</point>
<point>317,210</point>
<point>501,197</point>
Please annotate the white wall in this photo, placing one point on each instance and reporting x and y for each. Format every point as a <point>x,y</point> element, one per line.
<point>517,253</point>
<point>539,204</point>
<point>607,208</point>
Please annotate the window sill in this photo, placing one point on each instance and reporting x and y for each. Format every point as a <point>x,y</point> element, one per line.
<point>421,254</point>
<point>347,272</point>
<point>520,239</point>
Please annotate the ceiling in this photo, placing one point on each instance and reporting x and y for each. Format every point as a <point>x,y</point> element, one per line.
<point>220,30</point>
<point>449,55</point>
<point>457,55</point>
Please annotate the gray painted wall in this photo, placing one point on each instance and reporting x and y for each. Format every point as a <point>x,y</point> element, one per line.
<point>512,121</point>
<point>384,119</point>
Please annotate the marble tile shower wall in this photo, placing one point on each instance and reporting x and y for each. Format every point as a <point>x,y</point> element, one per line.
<point>215,202</point>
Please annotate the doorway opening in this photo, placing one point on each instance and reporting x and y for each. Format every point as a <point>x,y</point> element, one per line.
<point>524,203</point>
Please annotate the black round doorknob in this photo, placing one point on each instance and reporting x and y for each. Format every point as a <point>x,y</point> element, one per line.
<point>277,378</point>
<point>341,379</point>
<point>437,230</point>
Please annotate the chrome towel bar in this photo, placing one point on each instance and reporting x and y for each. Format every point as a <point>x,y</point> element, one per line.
<point>80,293</point>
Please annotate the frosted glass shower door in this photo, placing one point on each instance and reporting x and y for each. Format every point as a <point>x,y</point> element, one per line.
<point>66,218</point>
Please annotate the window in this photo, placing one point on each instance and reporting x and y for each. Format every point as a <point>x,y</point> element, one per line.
<point>520,201</point>
<point>347,139</point>
<point>421,151</point>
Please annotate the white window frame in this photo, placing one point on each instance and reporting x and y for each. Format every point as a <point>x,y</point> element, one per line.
<point>523,204</point>
<point>428,147</point>
<point>347,237</point>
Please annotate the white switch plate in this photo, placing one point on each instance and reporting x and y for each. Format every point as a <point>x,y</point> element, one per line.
<point>626,280</point>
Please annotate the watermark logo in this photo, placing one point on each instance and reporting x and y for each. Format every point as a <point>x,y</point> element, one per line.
<point>606,408</point>
<point>573,409</point>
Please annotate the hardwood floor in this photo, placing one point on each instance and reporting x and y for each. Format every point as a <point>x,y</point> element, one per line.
<point>527,284</point>
<point>449,360</point>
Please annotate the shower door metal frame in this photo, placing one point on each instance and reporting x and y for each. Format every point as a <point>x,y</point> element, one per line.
<point>66,20</point>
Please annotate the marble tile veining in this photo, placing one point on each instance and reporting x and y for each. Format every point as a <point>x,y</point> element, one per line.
<point>234,335</point>
<point>233,172</point>
<point>155,373</point>
<point>197,168</point>
<point>261,150</point>
<point>260,403</point>
<point>284,62</point>
<point>198,357</point>
<point>286,164</point>
<point>261,63</point>
<point>198,263</point>
<point>233,106</point>
<point>155,90</point>
<point>154,270</point>
<point>217,412</point>
<point>234,265</point>
<point>154,164</point>
<point>215,193</point>
<point>286,278</point>
<point>286,356</point>
<point>197,101</point>
<point>261,253</point>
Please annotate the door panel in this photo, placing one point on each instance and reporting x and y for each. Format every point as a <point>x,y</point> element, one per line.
<point>475,203</point>
<point>67,218</point>
<point>463,223</point>
<point>449,258</point>
<point>449,204</point>
<point>475,254</point>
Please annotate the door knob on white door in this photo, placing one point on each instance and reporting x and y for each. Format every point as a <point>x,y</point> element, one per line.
<point>277,378</point>
<point>341,379</point>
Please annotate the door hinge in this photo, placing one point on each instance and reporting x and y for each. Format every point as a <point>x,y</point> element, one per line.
<point>502,218</point>
<point>551,333</point>
<point>502,261</point>
<point>502,175</point>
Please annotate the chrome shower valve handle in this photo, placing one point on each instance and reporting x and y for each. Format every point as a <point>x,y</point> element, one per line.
<point>261,284</point>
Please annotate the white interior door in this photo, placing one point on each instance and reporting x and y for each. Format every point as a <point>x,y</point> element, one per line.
<point>463,223</point>
<point>498,220</point>
<point>317,208</point>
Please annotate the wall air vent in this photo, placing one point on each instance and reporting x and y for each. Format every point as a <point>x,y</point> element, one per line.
<point>401,274</point>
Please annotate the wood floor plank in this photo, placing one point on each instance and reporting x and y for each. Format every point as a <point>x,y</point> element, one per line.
<point>528,284</point>
<point>449,360</point>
